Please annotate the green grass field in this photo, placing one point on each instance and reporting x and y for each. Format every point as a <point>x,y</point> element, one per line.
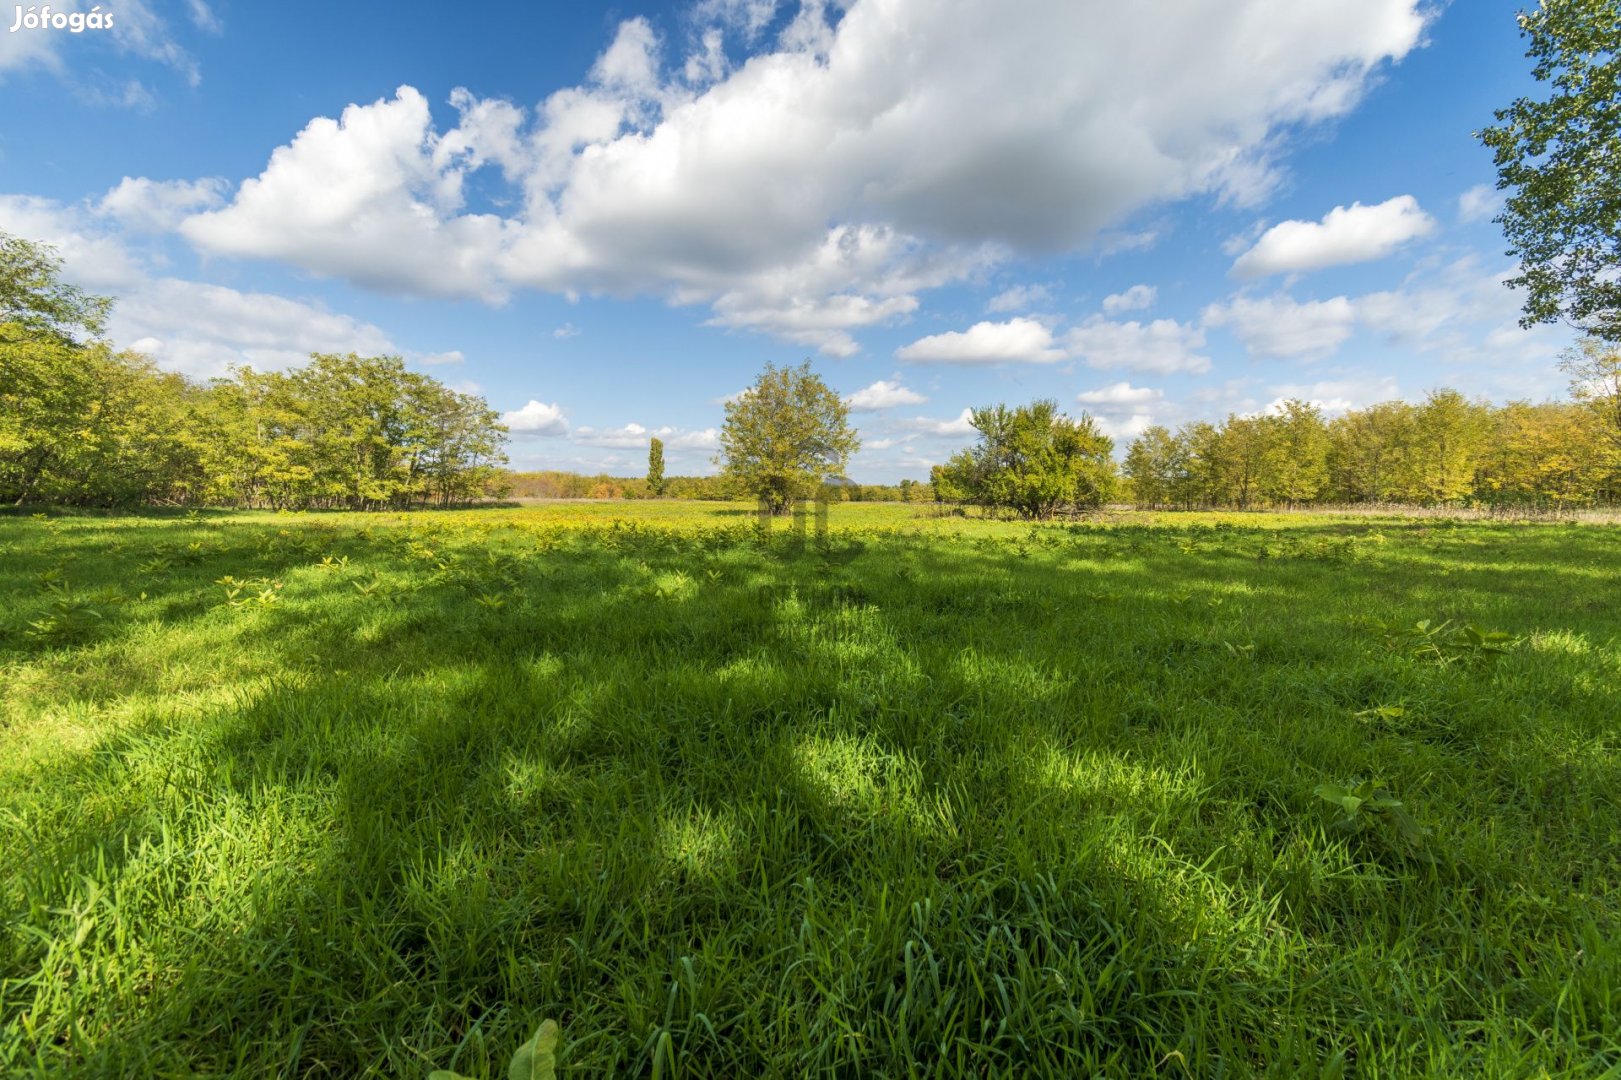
<point>331,795</point>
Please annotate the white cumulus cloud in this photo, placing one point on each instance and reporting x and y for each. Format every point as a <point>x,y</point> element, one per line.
<point>365,197</point>
<point>813,189</point>
<point>1018,298</point>
<point>1479,202</point>
<point>1161,347</point>
<point>1118,395</point>
<point>1133,299</point>
<point>1350,234</point>
<point>451,356</point>
<point>961,424</point>
<point>188,326</point>
<point>883,394</point>
<point>160,205</point>
<point>1281,328</point>
<point>536,419</point>
<point>1017,340</point>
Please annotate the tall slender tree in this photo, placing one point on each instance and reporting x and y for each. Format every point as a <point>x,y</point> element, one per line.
<point>655,466</point>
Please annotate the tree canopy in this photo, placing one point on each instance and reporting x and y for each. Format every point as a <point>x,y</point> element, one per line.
<point>1031,459</point>
<point>784,434</point>
<point>34,297</point>
<point>1447,450</point>
<point>1595,384</point>
<point>82,424</point>
<point>1558,158</point>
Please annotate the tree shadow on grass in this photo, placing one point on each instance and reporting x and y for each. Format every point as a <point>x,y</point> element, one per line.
<point>782,820</point>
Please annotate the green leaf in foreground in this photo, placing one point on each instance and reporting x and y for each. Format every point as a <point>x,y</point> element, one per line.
<point>536,1059</point>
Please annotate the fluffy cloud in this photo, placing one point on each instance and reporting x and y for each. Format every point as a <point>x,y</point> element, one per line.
<point>809,303</point>
<point>1459,312</point>
<point>1118,395</point>
<point>1133,299</point>
<point>1345,235</point>
<point>1018,298</point>
<point>203,329</point>
<point>453,356</point>
<point>1336,396</point>
<point>1161,347</point>
<point>961,424</point>
<point>1124,428</point>
<point>883,394</point>
<point>1281,328</point>
<point>703,183</point>
<point>92,255</point>
<point>1122,411</point>
<point>1479,202</point>
<point>366,198</point>
<point>186,326</point>
<point>536,419</point>
<point>160,205</point>
<point>634,435</point>
<point>1020,339</point>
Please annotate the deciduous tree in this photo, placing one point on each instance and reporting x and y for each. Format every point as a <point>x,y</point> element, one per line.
<point>34,296</point>
<point>1556,157</point>
<point>784,434</point>
<point>1033,460</point>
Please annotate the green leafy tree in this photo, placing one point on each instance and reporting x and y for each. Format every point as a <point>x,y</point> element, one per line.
<point>1595,383</point>
<point>1366,449</point>
<point>1033,460</point>
<point>1551,454</point>
<point>655,467</point>
<point>1203,481</point>
<point>1296,464</point>
<point>455,450</point>
<point>949,481</point>
<point>1556,156</point>
<point>34,296</point>
<point>1155,462</point>
<point>1444,445</point>
<point>784,434</point>
<point>1239,457</point>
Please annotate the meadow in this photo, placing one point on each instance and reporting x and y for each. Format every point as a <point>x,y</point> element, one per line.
<point>1196,795</point>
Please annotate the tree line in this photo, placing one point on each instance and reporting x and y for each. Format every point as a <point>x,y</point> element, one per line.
<point>1446,450</point>
<point>554,484</point>
<point>81,424</point>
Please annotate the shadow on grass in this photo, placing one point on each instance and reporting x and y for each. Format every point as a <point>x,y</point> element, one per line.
<point>947,807</point>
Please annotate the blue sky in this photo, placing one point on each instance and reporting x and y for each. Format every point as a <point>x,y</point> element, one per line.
<point>607,219</point>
